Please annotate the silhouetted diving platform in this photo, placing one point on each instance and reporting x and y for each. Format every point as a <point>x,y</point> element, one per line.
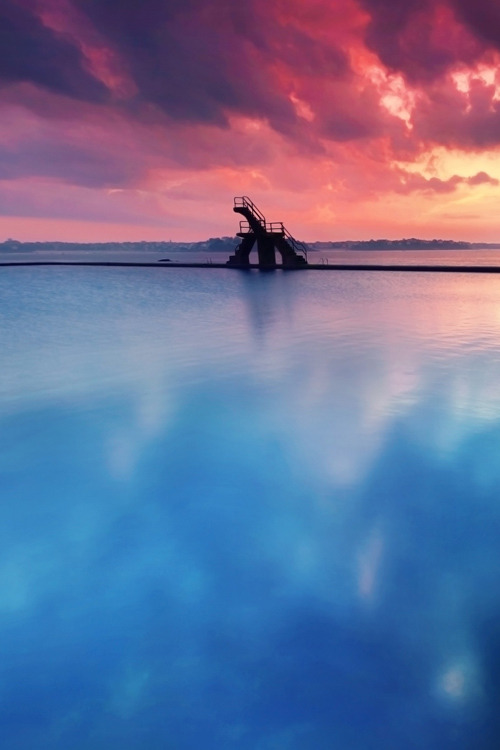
<point>270,236</point>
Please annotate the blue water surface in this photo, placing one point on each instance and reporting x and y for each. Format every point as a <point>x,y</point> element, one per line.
<point>249,510</point>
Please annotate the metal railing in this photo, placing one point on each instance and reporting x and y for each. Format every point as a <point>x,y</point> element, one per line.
<point>299,247</point>
<point>275,227</point>
<point>245,227</point>
<point>245,202</point>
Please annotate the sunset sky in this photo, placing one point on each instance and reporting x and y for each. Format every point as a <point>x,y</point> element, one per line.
<point>346,119</point>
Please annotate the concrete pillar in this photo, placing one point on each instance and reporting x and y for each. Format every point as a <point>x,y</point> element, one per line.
<point>267,253</point>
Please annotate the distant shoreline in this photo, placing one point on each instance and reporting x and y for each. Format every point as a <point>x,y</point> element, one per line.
<point>404,244</point>
<point>227,245</point>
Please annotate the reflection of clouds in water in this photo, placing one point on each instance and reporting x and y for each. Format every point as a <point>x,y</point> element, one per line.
<point>123,452</point>
<point>16,590</point>
<point>28,575</point>
<point>459,682</point>
<point>371,366</point>
<point>153,408</point>
<point>129,692</point>
<point>369,561</point>
<point>379,370</point>
<point>286,555</point>
<point>89,343</point>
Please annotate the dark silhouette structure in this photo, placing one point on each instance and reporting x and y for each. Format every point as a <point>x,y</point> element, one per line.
<point>269,236</point>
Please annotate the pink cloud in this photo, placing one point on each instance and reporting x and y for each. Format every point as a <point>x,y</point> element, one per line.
<point>151,112</point>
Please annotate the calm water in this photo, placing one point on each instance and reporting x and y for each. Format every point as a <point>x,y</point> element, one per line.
<point>479,257</point>
<point>247,510</point>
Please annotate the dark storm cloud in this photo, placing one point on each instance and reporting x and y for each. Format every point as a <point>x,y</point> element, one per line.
<point>182,55</point>
<point>465,120</point>
<point>420,37</point>
<point>199,61</point>
<point>482,17</point>
<point>426,41</point>
<point>31,52</point>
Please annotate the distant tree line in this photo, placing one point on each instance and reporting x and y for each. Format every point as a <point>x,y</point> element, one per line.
<point>213,245</point>
<point>411,243</point>
<point>227,245</point>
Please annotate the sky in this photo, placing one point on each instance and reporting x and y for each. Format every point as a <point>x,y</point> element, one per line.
<point>346,119</point>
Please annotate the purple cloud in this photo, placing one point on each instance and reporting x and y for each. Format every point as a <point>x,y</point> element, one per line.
<point>410,182</point>
<point>420,38</point>
<point>31,52</point>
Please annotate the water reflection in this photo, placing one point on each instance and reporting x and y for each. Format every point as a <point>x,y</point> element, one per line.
<point>249,510</point>
<point>269,299</point>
